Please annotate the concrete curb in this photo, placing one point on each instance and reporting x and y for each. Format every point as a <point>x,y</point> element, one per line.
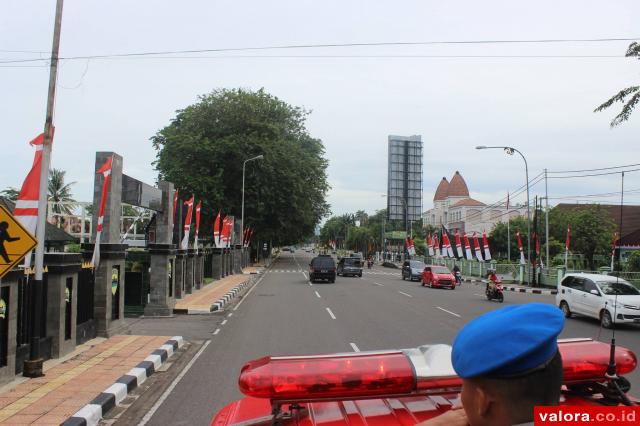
<point>229,296</point>
<point>515,289</point>
<point>92,413</point>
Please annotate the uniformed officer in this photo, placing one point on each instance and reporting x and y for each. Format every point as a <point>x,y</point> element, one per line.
<point>509,363</point>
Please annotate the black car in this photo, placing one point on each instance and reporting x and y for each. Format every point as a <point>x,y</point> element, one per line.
<point>322,267</point>
<point>412,269</point>
<point>350,266</point>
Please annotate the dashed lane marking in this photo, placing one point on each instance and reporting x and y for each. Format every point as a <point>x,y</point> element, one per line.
<point>406,294</point>
<point>381,285</point>
<point>355,348</point>
<point>449,312</point>
<point>216,332</point>
<point>230,314</point>
<point>318,294</point>
<point>331,314</point>
<point>223,322</point>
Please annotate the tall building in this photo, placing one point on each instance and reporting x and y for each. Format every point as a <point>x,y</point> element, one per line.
<point>454,209</point>
<point>404,183</point>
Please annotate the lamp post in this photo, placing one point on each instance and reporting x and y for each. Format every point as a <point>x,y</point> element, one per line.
<point>257,157</point>
<point>510,150</point>
<point>384,223</point>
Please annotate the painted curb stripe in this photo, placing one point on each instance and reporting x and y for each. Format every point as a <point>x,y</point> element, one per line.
<point>92,413</point>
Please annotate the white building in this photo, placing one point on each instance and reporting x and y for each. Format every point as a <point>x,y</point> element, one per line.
<point>454,209</point>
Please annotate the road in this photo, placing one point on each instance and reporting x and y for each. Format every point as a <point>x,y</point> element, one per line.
<point>285,314</point>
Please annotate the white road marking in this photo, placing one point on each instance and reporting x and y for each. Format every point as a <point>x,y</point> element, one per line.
<point>449,312</point>
<point>230,314</point>
<point>305,275</point>
<point>173,384</point>
<point>402,292</point>
<point>310,284</point>
<point>216,332</point>
<point>477,294</point>
<point>248,293</point>
<point>381,285</point>
<point>355,348</point>
<point>318,294</point>
<point>223,322</point>
<point>331,314</point>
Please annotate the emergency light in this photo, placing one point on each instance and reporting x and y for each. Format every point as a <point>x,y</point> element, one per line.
<point>423,370</point>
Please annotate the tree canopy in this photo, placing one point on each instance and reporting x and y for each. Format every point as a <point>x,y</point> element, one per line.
<point>204,147</point>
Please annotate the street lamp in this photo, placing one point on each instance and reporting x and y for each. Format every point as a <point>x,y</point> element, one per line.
<point>257,157</point>
<point>384,222</point>
<point>510,150</point>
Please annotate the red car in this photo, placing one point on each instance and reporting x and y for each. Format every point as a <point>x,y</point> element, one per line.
<point>399,387</point>
<point>438,276</point>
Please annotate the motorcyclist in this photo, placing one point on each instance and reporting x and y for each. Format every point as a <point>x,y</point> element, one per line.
<point>493,280</point>
<point>456,274</point>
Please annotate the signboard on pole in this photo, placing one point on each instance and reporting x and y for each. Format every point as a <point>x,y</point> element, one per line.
<point>15,241</point>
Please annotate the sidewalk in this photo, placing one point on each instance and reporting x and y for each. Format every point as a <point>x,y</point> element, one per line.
<point>74,381</point>
<point>214,296</point>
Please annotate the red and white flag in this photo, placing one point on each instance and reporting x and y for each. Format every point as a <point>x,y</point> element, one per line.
<point>538,256</point>
<point>410,247</point>
<point>458,244</point>
<point>522,261</point>
<point>184,244</point>
<point>467,246</point>
<point>485,245</point>
<point>430,245</point>
<point>613,249</point>
<point>216,231</point>
<point>567,244</point>
<point>436,245</point>
<point>26,210</point>
<point>105,170</point>
<point>447,244</point>
<point>198,207</point>
<point>175,206</point>
<point>476,247</point>
<point>227,229</point>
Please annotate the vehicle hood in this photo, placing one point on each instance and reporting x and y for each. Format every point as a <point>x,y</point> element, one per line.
<point>625,300</point>
<point>443,276</point>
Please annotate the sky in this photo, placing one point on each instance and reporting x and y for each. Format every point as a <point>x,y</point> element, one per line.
<point>457,96</point>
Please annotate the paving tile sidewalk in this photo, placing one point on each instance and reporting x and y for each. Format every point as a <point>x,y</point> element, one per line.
<point>70,384</point>
<point>203,300</point>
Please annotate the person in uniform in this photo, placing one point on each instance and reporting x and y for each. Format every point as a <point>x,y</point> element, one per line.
<point>509,363</point>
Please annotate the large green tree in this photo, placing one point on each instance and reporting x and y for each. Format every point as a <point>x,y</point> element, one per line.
<point>203,149</point>
<point>629,96</point>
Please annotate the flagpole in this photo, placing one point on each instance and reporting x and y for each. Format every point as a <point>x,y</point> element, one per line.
<point>508,231</point>
<point>33,366</point>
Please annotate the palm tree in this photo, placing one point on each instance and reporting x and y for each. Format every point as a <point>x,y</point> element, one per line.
<point>60,195</point>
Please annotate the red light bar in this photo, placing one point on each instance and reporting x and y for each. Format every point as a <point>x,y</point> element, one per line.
<point>587,360</point>
<point>349,375</point>
<point>423,370</point>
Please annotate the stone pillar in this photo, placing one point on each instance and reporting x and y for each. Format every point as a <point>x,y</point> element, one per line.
<point>62,300</point>
<point>162,295</point>
<point>190,271</point>
<point>9,322</point>
<point>109,286</point>
<point>216,264</point>
<point>179,276</point>
<point>198,269</point>
<point>229,261</point>
<point>237,259</point>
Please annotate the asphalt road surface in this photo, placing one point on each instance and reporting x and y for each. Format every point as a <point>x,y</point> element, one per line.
<point>285,314</point>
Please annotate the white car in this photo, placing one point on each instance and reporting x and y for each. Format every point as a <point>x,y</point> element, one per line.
<point>604,297</point>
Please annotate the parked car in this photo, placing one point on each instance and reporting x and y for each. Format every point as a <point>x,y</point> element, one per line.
<point>412,269</point>
<point>607,298</point>
<point>438,276</point>
<point>350,266</point>
<point>322,267</point>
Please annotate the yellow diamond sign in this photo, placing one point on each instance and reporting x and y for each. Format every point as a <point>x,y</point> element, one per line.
<point>15,241</point>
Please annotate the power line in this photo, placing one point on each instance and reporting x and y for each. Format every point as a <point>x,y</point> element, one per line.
<point>595,170</point>
<point>604,194</point>
<point>334,45</point>
<point>594,174</point>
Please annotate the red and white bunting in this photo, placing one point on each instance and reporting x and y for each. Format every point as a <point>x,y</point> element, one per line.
<point>198,207</point>
<point>216,231</point>
<point>436,245</point>
<point>430,245</point>
<point>184,244</point>
<point>485,245</point>
<point>105,170</point>
<point>476,247</point>
<point>458,244</point>
<point>446,245</point>
<point>522,261</point>
<point>467,246</point>
<point>26,210</point>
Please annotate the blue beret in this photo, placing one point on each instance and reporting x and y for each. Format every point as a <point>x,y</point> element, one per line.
<point>508,341</point>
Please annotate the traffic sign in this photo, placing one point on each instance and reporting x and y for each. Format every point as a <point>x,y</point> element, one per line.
<point>15,241</point>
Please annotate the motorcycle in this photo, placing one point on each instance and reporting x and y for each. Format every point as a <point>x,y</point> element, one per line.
<point>369,264</point>
<point>495,293</point>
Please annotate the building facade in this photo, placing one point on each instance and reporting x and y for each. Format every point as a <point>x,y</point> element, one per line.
<point>454,209</point>
<point>404,179</point>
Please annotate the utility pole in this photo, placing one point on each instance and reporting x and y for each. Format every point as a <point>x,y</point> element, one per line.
<point>33,366</point>
<point>546,217</point>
